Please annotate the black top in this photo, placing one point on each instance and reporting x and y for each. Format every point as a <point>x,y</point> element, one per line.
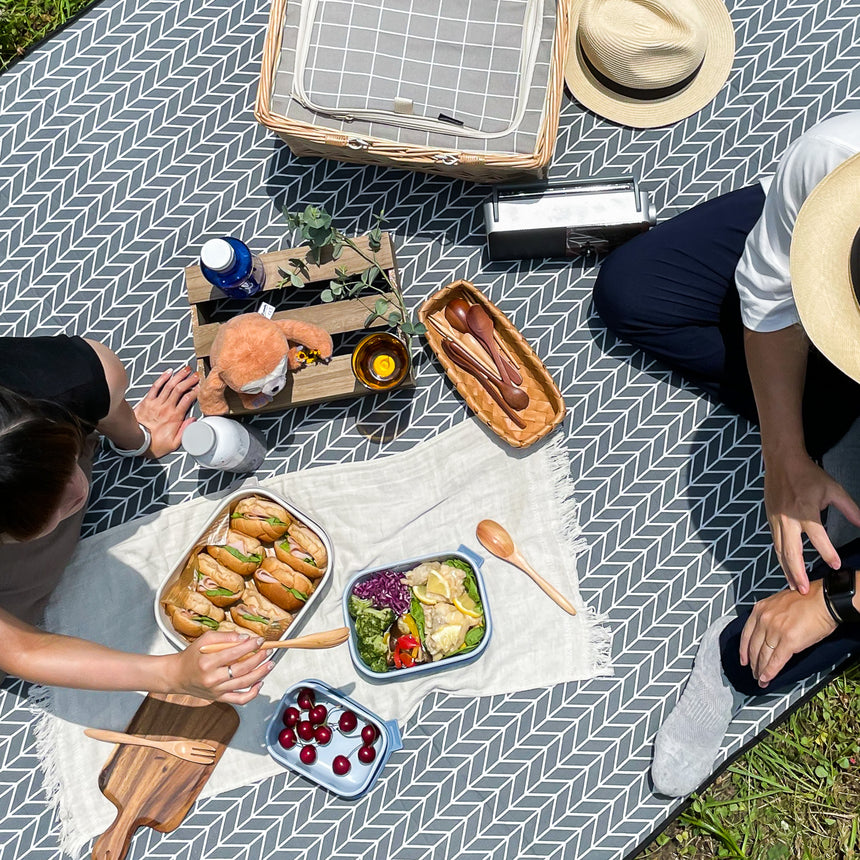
<point>62,369</point>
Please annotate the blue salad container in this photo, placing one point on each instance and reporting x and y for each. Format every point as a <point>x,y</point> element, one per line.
<point>464,554</point>
<point>361,777</point>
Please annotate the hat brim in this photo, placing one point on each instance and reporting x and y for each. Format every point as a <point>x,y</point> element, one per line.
<point>820,266</point>
<point>653,113</point>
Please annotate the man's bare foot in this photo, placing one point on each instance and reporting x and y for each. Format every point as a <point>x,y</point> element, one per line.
<point>164,410</point>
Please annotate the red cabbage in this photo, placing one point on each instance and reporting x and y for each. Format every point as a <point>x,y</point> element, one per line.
<point>386,590</point>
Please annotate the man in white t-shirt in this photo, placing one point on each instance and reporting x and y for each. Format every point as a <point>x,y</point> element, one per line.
<point>710,292</point>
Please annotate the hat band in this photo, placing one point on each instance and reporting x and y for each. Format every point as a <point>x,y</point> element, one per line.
<point>637,92</point>
<point>854,265</point>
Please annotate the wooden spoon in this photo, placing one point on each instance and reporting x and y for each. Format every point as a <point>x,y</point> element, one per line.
<point>481,326</point>
<point>457,313</point>
<point>326,639</point>
<point>501,544</point>
<point>515,397</point>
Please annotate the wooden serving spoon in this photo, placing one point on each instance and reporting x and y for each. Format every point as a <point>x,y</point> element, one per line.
<point>501,544</point>
<point>326,639</point>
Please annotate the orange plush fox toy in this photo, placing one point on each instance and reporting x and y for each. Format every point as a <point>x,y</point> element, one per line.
<point>251,354</point>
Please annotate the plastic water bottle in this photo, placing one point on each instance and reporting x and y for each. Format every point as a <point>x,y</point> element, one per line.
<point>222,443</point>
<point>229,265</point>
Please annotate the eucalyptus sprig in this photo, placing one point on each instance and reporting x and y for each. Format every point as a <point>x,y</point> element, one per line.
<point>324,241</point>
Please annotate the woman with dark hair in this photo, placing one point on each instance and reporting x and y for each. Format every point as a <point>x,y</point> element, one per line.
<point>56,394</point>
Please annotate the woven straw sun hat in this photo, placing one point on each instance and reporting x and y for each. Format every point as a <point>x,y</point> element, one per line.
<point>647,63</point>
<point>825,266</point>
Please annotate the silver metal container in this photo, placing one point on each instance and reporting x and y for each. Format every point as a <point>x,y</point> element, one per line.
<point>565,219</point>
<point>221,514</point>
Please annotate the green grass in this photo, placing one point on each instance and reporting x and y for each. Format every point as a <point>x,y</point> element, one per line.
<point>23,22</point>
<point>793,796</point>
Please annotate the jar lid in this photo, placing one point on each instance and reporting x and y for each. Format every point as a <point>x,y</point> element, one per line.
<point>217,254</point>
<point>198,438</point>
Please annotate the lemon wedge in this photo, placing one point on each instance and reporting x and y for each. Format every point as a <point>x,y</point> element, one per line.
<point>438,585</point>
<point>467,606</point>
<point>448,638</point>
<point>420,591</point>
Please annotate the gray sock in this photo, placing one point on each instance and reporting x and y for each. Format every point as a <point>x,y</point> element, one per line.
<point>691,737</point>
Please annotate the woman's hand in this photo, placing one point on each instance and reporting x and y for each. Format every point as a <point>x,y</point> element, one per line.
<point>780,627</point>
<point>208,676</point>
<point>796,491</point>
<point>164,410</point>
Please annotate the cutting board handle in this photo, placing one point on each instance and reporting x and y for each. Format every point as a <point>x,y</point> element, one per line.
<point>113,843</point>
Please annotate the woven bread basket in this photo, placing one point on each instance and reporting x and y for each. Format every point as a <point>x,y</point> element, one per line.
<point>305,139</point>
<point>546,408</point>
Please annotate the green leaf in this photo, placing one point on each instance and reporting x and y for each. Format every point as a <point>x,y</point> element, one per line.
<point>258,618</point>
<point>296,593</point>
<point>274,521</point>
<point>371,274</point>
<point>821,772</point>
<point>256,559</point>
<point>380,306</point>
<point>374,239</point>
<point>394,318</point>
<point>327,296</point>
<point>407,328</point>
<point>337,251</point>
<point>296,281</point>
<point>371,318</point>
<point>419,328</point>
<point>219,592</point>
<point>336,287</point>
<point>206,621</point>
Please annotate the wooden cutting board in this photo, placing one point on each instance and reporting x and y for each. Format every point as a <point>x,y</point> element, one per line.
<point>151,788</point>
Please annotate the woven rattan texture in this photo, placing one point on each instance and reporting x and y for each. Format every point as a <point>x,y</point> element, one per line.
<point>546,405</point>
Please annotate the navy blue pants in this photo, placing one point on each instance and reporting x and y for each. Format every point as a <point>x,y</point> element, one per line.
<point>671,292</point>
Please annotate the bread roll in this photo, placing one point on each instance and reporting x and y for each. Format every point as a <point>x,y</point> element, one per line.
<point>281,584</point>
<point>240,553</point>
<point>303,551</point>
<point>260,518</point>
<point>260,615</point>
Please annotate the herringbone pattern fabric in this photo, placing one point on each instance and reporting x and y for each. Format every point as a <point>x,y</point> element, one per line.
<point>128,139</point>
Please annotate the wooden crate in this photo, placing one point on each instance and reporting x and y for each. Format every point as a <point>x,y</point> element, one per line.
<point>316,383</point>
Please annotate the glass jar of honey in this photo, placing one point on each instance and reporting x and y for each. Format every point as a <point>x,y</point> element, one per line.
<point>380,361</point>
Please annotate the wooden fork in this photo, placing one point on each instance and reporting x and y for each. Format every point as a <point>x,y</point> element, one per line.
<point>193,751</point>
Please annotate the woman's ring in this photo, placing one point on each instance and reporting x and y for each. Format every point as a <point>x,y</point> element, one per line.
<point>765,642</point>
<point>230,672</point>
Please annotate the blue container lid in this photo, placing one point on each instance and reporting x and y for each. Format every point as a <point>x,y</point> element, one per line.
<point>361,777</point>
<point>465,554</point>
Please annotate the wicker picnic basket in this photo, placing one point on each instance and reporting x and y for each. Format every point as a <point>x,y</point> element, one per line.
<point>318,134</point>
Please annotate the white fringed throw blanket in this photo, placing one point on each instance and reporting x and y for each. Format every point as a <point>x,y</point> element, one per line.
<point>422,501</point>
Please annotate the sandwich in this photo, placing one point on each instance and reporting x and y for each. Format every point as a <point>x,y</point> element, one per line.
<point>259,615</point>
<point>260,518</point>
<point>195,616</point>
<point>241,553</point>
<point>217,583</point>
<point>281,584</point>
<point>303,551</point>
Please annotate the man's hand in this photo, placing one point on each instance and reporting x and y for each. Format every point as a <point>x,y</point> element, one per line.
<point>796,490</point>
<point>164,409</point>
<point>781,626</point>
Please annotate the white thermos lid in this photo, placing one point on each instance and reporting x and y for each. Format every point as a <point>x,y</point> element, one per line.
<point>198,438</point>
<point>217,254</point>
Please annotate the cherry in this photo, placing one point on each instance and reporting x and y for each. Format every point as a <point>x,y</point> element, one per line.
<point>341,765</point>
<point>305,730</point>
<point>287,738</point>
<point>322,735</point>
<point>347,722</point>
<point>366,755</point>
<point>291,717</point>
<point>305,698</point>
<point>368,734</point>
<point>308,755</point>
<point>318,714</point>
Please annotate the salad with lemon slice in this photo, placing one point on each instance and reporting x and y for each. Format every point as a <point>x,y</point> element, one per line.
<point>422,615</point>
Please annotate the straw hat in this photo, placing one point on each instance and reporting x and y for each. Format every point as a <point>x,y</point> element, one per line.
<point>825,266</point>
<point>647,63</point>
